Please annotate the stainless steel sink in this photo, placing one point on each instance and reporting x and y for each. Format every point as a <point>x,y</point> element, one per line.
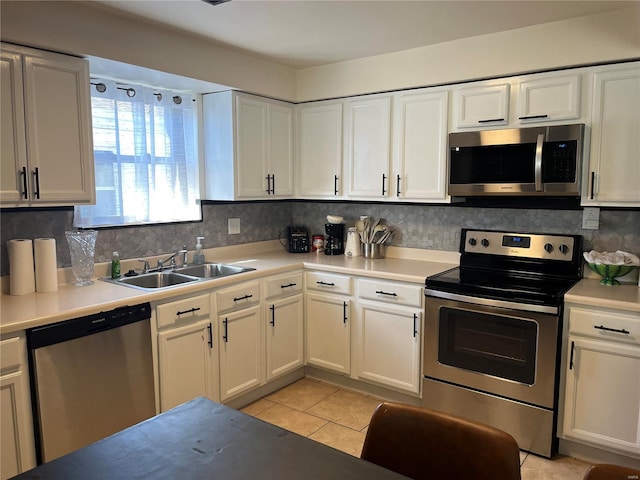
<point>212,270</point>
<point>156,280</point>
<point>179,276</point>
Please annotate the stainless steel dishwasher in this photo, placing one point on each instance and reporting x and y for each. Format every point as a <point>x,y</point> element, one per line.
<point>90,377</point>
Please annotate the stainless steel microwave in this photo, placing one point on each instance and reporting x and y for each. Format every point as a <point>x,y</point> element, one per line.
<point>528,161</point>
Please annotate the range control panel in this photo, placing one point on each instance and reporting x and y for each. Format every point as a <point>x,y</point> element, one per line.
<point>524,245</point>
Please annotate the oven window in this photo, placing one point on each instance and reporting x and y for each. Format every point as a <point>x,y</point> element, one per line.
<point>501,346</point>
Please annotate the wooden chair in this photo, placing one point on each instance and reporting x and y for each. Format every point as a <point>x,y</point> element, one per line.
<point>424,444</point>
<point>605,471</point>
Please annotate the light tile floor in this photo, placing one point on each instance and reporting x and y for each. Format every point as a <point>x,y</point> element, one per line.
<point>339,418</point>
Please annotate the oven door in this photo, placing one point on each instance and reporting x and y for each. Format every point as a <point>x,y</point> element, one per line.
<point>506,352</point>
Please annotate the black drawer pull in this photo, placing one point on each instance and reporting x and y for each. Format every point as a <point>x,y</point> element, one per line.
<point>225,336</point>
<point>268,178</point>
<point>532,117</point>
<point>415,325</point>
<point>382,292</point>
<point>344,312</point>
<point>326,284</point>
<point>191,310</point>
<point>335,184</point>
<point>491,120</point>
<point>384,179</point>
<point>398,186</point>
<point>287,286</point>
<point>237,299</point>
<point>210,335</point>
<point>621,330</point>
<point>593,185</point>
<point>273,315</point>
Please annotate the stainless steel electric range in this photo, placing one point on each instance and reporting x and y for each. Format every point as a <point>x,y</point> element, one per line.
<point>493,329</point>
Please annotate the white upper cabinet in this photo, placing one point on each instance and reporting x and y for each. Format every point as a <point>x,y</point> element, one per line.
<point>319,150</point>
<point>367,138</point>
<point>549,98</point>
<point>47,147</point>
<point>518,101</point>
<point>480,105</point>
<point>248,147</point>
<point>612,173</point>
<point>420,121</point>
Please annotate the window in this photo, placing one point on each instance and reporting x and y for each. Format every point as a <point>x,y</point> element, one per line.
<point>145,153</point>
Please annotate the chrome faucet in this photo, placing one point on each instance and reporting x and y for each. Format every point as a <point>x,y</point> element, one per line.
<point>145,267</point>
<point>172,259</point>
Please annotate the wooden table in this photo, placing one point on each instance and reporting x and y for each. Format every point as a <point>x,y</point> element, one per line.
<point>202,439</point>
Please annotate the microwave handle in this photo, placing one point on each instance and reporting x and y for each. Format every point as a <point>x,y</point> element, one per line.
<point>538,162</point>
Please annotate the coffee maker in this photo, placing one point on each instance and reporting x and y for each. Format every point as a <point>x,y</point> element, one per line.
<point>334,244</point>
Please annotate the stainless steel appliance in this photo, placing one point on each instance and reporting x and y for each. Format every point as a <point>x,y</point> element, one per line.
<point>533,161</point>
<point>334,245</point>
<point>90,377</point>
<point>493,329</point>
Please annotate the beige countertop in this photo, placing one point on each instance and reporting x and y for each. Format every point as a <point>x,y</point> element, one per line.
<point>268,258</point>
<point>589,292</point>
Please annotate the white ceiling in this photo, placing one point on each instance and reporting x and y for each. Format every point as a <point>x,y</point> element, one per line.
<point>305,33</point>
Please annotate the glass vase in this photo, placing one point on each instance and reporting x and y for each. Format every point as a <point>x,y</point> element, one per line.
<point>82,246</point>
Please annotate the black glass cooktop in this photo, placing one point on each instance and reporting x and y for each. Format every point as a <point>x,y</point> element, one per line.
<point>501,285</point>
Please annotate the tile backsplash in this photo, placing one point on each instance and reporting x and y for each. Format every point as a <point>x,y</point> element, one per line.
<point>417,226</point>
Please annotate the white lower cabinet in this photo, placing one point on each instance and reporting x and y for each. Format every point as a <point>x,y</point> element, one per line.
<point>241,336</point>
<point>389,334</point>
<point>328,332</point>
<point>186,354</point>
<point>240,352</point>
<point>389,345</point>
<point>602,390</point>
<point>17,445</point>
<point>284,323</point>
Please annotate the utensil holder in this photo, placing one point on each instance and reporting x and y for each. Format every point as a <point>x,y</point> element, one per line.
<point>373,250</point>
<point>82,245</point>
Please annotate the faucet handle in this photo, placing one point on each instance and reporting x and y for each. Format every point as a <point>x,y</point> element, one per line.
<point>145,267</point>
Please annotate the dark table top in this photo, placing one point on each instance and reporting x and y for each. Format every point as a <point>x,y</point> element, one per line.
<point>202,439</point>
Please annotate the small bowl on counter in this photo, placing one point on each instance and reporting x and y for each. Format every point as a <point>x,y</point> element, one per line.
<point>609,273</point>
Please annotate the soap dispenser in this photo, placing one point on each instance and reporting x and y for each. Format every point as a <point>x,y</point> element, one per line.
<point>198,257</point>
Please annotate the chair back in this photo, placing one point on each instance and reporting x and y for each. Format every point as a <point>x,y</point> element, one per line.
<point>425,444</point>
<point>605,471</point>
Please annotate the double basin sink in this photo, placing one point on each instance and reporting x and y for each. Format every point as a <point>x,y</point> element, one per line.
<point>179,276</point>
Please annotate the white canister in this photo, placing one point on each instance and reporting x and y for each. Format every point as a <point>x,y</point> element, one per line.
<point>352,248</point>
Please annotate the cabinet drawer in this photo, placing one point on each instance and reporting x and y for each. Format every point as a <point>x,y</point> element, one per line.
<point>10,354</point>
<point>283,285</point>
<point>181,311</point>
<point>398,293</point>
<point>329,282</point>
<point>241,296</point>
<point>605,325</point>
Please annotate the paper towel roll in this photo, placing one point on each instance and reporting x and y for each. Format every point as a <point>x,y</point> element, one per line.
<point>46,264</point>
<point>21,275</point>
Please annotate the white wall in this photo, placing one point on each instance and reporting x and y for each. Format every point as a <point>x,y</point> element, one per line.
<point>79,28</point>
<point>593,39</point>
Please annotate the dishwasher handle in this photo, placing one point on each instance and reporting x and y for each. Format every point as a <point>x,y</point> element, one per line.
<point>88,325</point>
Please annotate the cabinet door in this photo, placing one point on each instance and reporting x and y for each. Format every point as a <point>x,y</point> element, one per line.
<point>185,364</point>
<point>284,336</point>
<point>59,134</point>
<point>613,176</point>
<point>17,447</point>
<point>549,98</point>
<point>481,105</point>
<point>319,150</point>
<point>389,345</point>
<point>280,150</point>
<point>367,146</point>
<point>13,153</point>
<point>602,394</point>
<point>420,122</point>
<point>251,147</point>
<point>327,332</point>
<point>241,352</point>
